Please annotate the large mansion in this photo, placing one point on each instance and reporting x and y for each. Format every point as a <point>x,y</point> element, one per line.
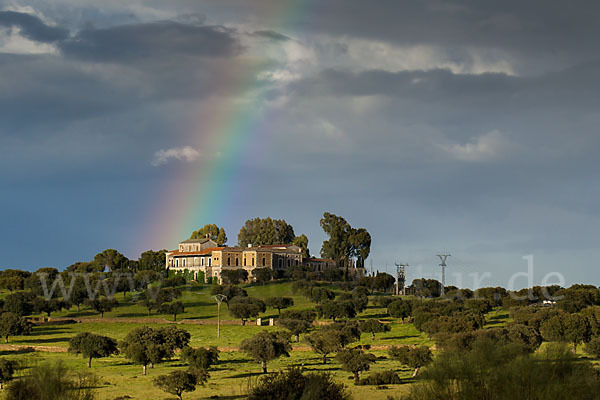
<point>204,255</point>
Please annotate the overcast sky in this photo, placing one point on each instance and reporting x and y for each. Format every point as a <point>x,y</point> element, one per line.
<point>468,127</point>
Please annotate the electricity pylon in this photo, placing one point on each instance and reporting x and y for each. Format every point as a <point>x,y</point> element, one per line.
<point>443,258</point>
<point>401,277</point>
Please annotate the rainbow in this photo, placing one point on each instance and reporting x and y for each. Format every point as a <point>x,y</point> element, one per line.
<point>225,131</point>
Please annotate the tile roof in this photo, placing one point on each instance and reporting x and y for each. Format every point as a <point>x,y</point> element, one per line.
<point>194,253</point>
<point>202,240</point>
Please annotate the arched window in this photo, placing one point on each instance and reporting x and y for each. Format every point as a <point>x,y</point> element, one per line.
<point>228,261</point>
<point>244,261</point>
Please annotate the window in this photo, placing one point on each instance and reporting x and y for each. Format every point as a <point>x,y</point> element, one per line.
<point>177,262</point>
<point>228,261</point>
<point>244,261</point>
<point>264,262</point>
<point>236,261</point>
<point>253,261</point>
<point>280,263</point>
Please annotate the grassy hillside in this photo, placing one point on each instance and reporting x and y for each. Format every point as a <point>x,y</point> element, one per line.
<point>235,372</point>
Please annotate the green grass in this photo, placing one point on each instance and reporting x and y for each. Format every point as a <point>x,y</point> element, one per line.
<point>497,318</point>
<point>230,378</point>
<point>198,302</point>
<point>235,372</point>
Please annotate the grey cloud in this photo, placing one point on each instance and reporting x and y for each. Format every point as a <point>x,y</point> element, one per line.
<point>271,35</point>
<point>170,60</point>
<point>32,27</point>
<point>156,40</point>
<point>576,86</point>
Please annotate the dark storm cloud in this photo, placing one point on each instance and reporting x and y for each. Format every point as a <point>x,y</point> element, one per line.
<point>578,86</point>
<point>44,88</point>
<point>538,25</point>
<point>271,35</point>
<point>157,40</point>
<point>171,60</point>
<point>32,27</point>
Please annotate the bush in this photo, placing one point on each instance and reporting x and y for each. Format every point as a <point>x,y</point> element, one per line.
<point>384,301</point>
<point>294,385</point>
<point>388,377</point>
<point>593,347</point>
<point>495,372</point>
<point>177,382</point>
<point>53,382</point>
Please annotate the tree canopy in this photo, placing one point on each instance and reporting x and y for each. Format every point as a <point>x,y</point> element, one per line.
<point>302,242</point>
<point>373,326</point>
<point>414,357</point>
<point>246,307</point>
<point>111,259</point>
<point>266,346</point>
<point>13,325</point>
<point>176,383</point>
<point>264,231</point>
<point>355,361</point>
<point>7,370</point>
<point>234,276</point>
<point>344,241</point>
<point>102,305</point>
<point>214,233</point>
<point>145,345</point>
<point>279,302</point>
<point>569,328</point>
<point>90,346</point>
<point>152,261</point>
<point>294,385</point>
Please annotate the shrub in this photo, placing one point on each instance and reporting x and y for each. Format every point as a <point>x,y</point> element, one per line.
<point>388,377</point>
<point>52,382</point>
<point>496,372</point>
<point>177,382</point>
<point>294,385</point>
<point>593,347</point>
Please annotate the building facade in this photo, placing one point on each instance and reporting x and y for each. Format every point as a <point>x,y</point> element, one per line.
<point>203,257</point>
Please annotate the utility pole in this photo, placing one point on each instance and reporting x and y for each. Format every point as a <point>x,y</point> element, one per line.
<point>401,277</point>
<point>219,298</point>
<point>443,258</point>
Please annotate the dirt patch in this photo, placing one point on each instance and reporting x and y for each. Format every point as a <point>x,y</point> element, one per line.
<point>108,320</point>
<point>48,349</point>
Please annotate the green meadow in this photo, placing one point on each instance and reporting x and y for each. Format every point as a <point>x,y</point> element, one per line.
<point>235,372</point>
